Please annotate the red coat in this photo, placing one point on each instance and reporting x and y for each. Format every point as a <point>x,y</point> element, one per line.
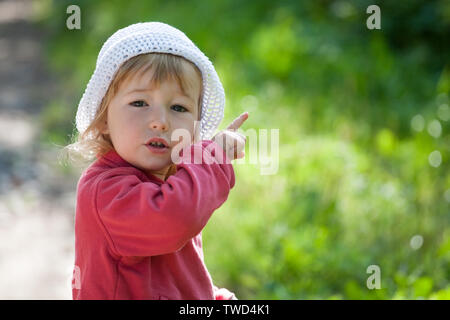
<point>139,237</point>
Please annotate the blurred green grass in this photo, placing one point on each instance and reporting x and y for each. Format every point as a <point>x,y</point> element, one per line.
<point>356,181</point>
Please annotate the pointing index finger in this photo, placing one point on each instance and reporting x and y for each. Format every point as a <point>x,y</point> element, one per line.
<point>238,121</point>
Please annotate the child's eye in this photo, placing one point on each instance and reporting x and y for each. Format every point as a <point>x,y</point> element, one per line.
<point>179,108</point>
<point>138,103</point>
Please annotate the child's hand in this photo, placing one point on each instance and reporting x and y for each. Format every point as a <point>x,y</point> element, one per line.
<point>231,141</point>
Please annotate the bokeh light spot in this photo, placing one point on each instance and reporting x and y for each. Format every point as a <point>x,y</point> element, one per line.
<point>416,242</point>
<point>435,128</point>
<point>435,159</point>
<point>418,123</point>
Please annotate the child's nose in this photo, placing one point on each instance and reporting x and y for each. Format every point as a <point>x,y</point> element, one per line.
<point>158,119</point>
<point>158,124</point>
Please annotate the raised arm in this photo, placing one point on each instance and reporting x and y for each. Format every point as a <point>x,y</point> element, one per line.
<point>145,219</point>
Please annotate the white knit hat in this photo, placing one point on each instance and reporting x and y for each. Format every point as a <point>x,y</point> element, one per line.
<point>146,37</point>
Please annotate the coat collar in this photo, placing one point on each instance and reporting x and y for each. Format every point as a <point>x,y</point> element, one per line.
<point>114,159</point>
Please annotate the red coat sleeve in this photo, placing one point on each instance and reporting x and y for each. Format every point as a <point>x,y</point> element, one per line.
<point>143,218</point>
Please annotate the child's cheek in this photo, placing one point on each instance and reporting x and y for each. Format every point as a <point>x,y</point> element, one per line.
<point>197,137</point>
<point>185,137</point>
<point>178,143</point>
<point>196,132</point>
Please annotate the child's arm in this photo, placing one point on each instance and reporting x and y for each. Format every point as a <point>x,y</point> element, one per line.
<point>145,219</point>
<point>223,294</point>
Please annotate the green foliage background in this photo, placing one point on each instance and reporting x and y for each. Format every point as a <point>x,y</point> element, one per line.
<point>355,180</point>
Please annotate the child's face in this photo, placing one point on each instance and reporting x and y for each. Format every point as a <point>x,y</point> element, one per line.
<point>140,111</point>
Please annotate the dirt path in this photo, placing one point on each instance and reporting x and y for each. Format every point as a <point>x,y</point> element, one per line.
<point>37,201</point>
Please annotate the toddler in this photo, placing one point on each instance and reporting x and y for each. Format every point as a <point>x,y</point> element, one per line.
<point>140,213</point>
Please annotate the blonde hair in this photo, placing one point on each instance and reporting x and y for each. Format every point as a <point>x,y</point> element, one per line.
<point>92,143</point>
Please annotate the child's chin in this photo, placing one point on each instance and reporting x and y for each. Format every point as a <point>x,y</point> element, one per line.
<point>156,166</point>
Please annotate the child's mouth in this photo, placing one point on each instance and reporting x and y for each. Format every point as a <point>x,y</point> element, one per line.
<point>157,148</point>
<point>157,145</point>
